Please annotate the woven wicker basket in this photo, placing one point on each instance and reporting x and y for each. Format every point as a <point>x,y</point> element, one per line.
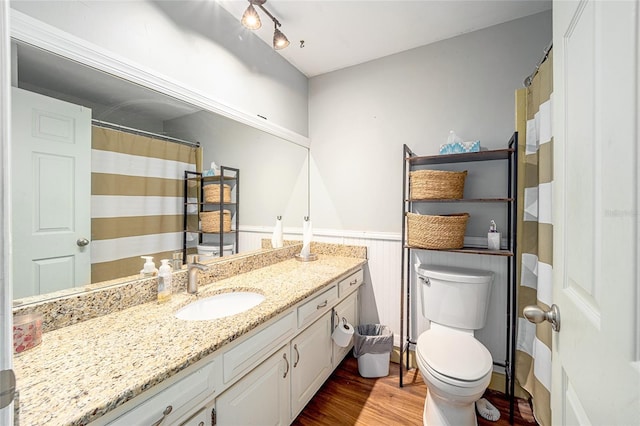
<point>212,193</point>
<point>436,184</point>
<point>211,221</point>
<point>436,232</point>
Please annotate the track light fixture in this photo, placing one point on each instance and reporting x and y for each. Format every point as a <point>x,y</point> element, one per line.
<point>251,20</point>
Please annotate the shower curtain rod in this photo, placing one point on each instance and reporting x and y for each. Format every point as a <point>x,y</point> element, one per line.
<point>529,79</point>
<point>114,126</point>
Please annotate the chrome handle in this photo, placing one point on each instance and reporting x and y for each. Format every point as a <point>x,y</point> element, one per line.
<point>536,315</point>
<point>165,413</point>
<point>201,424</point>
<point>81,242</point>
<point>354,282</point>
<point>295,348</point>
<point>287,370</point>
<point>322,305</point>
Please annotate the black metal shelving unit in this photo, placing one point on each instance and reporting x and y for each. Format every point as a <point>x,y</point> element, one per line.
<point>194,183</point>
<point>410,161</point>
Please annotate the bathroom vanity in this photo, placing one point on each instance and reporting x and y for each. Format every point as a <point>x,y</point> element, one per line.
<point>142,364</point>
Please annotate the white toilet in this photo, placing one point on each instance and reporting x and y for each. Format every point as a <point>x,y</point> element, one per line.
<point>454,365</point>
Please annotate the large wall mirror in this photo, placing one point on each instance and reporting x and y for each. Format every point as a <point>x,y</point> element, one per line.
<point>274,171</point>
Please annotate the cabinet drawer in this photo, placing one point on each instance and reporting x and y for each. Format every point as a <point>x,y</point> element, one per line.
<point>317,306</point>
<point>351,283</point>
<point>190,390</point>
<point>251,351</point>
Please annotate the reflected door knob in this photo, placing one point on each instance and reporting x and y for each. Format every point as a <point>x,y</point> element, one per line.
<point>81,242</point>
<point>536,315</point>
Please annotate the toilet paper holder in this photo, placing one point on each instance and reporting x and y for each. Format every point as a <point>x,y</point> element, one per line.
<point>343,333</point>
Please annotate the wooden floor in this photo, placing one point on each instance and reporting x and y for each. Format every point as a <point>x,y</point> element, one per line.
<point>349,399</point>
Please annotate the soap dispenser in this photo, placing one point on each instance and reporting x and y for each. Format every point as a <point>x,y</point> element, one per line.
<point>493,237</point>
<point>164,281</point>
<point>149,269</point>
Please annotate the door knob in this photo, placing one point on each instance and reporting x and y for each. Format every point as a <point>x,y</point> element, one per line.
<point>81,242</point>
<point>536,315</point>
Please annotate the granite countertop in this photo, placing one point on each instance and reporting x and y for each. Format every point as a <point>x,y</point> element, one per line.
<point>80,372</point>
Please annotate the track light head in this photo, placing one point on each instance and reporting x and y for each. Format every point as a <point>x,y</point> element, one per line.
<point>251,19</point>
<point>280,41</point>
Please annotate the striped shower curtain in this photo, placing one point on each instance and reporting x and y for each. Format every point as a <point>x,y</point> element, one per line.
<point>136,200</point>
<point>535,237</point>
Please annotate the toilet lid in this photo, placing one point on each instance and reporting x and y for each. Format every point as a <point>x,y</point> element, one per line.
<point>456,355</point>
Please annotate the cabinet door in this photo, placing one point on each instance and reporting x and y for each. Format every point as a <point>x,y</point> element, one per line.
<point>311,357</point>
<point>347,309</point>
<point>259,398</point>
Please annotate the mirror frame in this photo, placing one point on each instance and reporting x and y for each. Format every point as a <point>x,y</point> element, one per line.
<point>26,29</point>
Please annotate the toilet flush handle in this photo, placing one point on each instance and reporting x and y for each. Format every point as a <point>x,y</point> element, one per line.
<point>536,315</point>
<point>425,280</point>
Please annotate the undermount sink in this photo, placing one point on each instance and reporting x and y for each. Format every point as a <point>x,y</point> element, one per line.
<point>220,305</point>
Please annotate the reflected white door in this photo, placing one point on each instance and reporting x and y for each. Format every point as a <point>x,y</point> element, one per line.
<point>51,190</point>
<point>596,354</point>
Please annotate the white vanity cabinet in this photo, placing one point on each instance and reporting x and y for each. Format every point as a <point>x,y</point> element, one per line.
<point>277,390</point>
<point>265,377</point>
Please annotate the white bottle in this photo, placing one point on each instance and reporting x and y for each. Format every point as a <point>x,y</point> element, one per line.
<point>149,268</point>
<point>493,237</point>
<point>164,281</point>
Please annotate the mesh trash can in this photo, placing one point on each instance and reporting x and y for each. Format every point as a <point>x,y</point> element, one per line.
<point>372,347</point>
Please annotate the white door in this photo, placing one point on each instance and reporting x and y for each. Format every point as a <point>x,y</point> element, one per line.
<point>51,190</point>
<point>596,354</point>
<point>6,319</point>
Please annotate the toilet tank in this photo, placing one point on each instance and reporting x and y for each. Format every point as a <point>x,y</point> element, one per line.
<point>455,297</point>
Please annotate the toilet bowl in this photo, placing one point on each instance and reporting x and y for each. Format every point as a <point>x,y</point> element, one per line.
<point>457,370</point>
<point>455,366</point>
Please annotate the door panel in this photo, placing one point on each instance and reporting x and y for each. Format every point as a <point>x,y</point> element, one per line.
<point>51,159</point>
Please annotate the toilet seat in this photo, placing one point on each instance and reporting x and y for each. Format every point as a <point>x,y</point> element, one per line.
<point>453,357</point>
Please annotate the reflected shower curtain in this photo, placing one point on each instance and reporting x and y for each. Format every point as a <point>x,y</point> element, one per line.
<point>535,237</point>
<point>137,185</point>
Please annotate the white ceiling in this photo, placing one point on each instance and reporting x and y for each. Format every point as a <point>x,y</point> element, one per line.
<point>342,33</point>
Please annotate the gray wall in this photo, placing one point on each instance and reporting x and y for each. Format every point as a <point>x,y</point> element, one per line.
<point>361,116</point>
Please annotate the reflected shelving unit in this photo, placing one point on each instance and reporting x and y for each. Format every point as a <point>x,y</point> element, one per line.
<point>411,162</point>
<point>195,204</point>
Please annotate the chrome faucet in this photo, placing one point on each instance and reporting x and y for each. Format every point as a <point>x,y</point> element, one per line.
<point>193,267</point>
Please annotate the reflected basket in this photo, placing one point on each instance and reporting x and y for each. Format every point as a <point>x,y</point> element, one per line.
<point>211,221</point>
<point>212,193</point>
